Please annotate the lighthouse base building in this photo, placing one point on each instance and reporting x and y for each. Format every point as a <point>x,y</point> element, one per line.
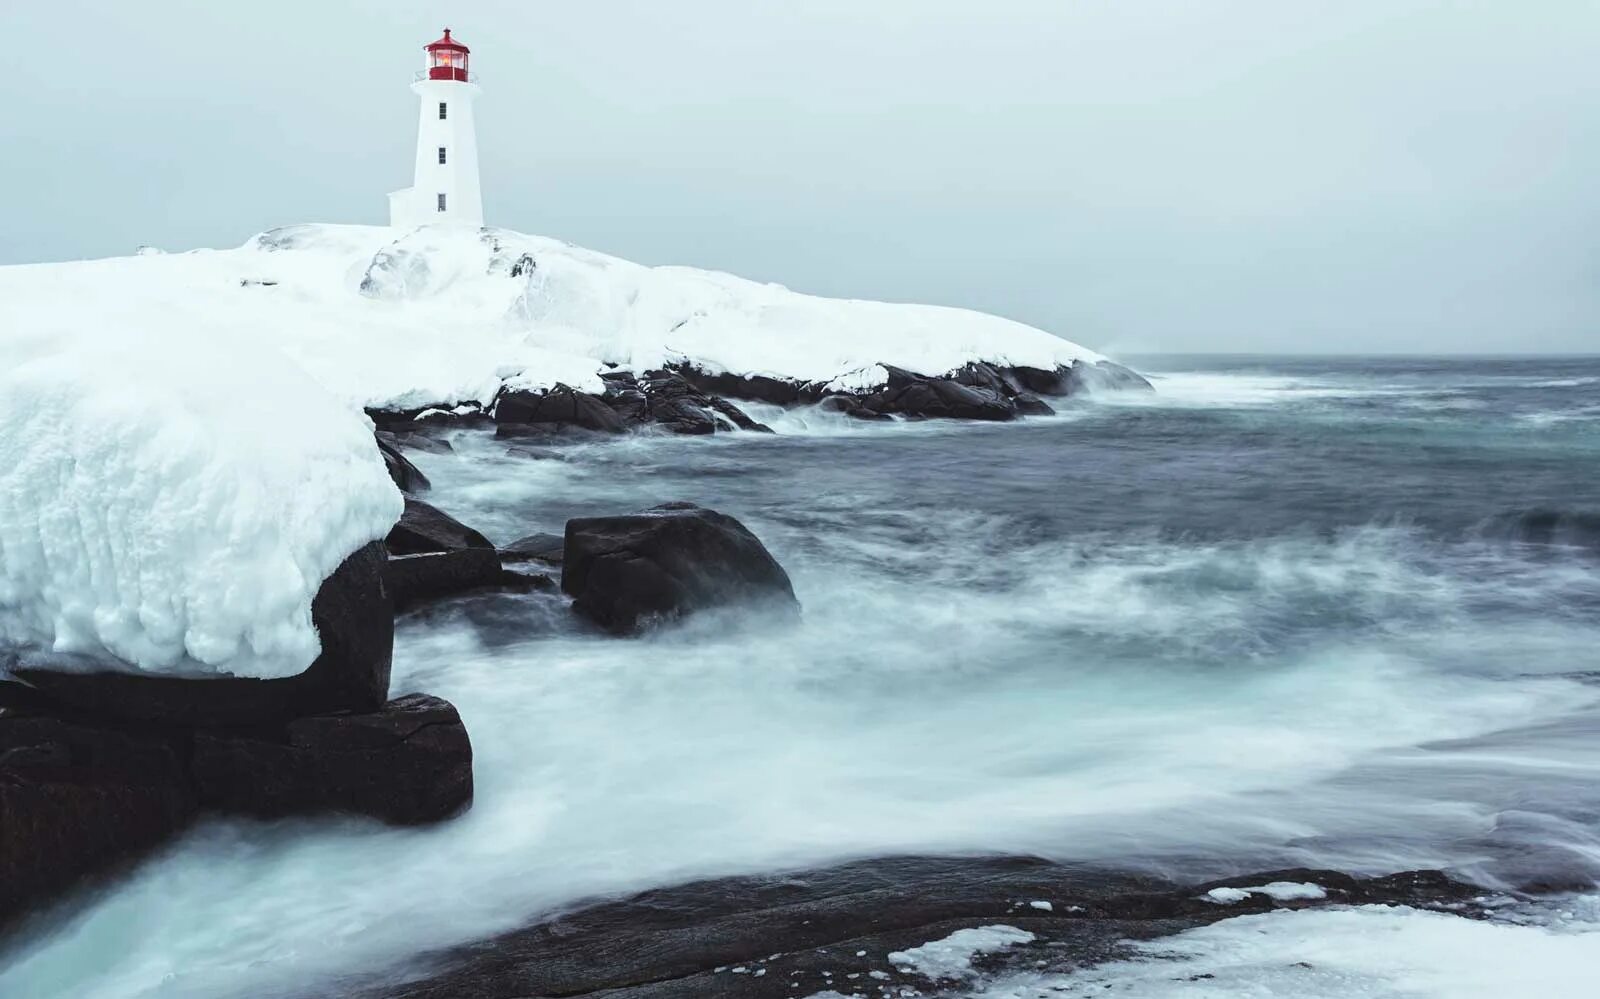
<point>445,185</point>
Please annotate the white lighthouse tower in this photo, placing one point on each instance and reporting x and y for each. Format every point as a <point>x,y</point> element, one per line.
<point>445,185</point>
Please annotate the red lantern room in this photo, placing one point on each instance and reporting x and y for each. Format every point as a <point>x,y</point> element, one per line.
<point>447,59</point>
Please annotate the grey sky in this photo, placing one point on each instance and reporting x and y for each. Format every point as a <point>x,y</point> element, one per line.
<point>1220,175</point>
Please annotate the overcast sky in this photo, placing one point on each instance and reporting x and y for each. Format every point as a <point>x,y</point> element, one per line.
<point>1230,175</point>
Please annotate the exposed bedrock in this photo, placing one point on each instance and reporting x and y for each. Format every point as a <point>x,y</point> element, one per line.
<point>630,571</point>
<point>408,763</point>
<point>354,620</point>
<point>831,931</point>
<point>975,391</point>
<point>560,405</point>
<point>659,398</point>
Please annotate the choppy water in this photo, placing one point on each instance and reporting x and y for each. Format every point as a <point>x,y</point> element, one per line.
<point>1331,613</point>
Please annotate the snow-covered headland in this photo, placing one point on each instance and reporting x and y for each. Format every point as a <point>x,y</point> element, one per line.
<point>400,319</point>
<point>182,451</point>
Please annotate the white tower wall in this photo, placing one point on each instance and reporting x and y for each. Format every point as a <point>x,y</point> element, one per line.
<point>457,177</point>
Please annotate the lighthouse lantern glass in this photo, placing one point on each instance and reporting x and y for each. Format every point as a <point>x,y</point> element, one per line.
<point>447,64</point>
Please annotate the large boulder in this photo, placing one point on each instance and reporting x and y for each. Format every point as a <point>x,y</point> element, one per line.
<point>77,800</point>
<point>426,528</point>
<point>354,619</point>
<point>629,571</point>
<point>561,405</point>
<point>410,762</point>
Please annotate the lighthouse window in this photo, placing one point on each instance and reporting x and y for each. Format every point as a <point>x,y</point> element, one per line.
<point>443,114</point>
<point>441,155</point>
<point>441,201</point>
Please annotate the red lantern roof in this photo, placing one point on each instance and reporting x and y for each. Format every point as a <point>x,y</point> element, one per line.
<point>447,43</point>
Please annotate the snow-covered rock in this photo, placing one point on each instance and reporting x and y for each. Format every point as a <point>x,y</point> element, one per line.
<point>402,319</point>
<point>173,497</point>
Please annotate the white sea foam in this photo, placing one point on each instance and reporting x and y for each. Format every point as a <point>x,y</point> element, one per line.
<point>957,684</point>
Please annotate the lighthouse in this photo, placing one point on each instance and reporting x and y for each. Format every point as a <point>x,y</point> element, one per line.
<point>444,187</point>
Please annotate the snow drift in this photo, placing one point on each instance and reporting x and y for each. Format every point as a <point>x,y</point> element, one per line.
<point>174,500</point>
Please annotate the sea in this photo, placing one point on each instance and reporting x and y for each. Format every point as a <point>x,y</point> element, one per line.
<point>1281,611</point>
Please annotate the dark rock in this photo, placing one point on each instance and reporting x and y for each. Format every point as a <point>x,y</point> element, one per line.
<point>535,548</point>
<point>850,406</point>
<point>625,572</point>
<point>425,528</point>
<point>408,763</point>
<point>1038,380</point>
<point>353,617</point>
<point>417,440</point>
<point>683,416</point>
<point>761,388</point>
<point>418,579</point>
<point>941,397</point>
<point>737,416</point>
<point>630,404</point>
<point>1104,376</point>
<point>78,800</point>
<point>560,405</point>
<point>405,475</point>
<point>830,929</point>
<point>1029,404</point>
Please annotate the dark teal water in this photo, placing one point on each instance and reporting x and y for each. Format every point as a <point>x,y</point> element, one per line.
<point>1330,612</point>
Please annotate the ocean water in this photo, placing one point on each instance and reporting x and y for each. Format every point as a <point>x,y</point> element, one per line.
<point>1338,613</point>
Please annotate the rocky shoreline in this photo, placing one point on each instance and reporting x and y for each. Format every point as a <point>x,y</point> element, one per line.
<point>845,929</point>
<point>101,764</point>
<point>688,399</point>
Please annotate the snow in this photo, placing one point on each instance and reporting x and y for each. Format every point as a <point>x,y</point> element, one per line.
<point>171,496</point>
<point>445,315</point>
<point>952,956</point>
<point>1278,891</point>
<point>1042,905</point>
<point>1367,952</point>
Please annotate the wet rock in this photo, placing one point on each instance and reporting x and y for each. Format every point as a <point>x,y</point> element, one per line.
<point>425,528</point>
<point>79,800</point>
<point>561,405</point>
<point>850,406</point>
<point>941,398</point>
<point>833,929</point>
<point>535,548</point>
<point>406,476</point>
<point>408,763</point>
<point>1104,376</point>
<point>417,579</point>
<point>1029,404</point>
<point>629,571</point>
<point>761,388</point>
<point>353,617</point>
<point>683,416</point>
